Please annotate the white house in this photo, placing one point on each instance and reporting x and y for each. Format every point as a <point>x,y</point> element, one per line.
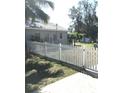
<point>51,33</point>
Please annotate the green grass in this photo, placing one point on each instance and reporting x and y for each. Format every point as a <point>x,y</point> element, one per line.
<point>85,44</point>
<point>41,72</point>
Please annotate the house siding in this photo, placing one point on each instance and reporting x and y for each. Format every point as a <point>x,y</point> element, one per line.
<point>52,36</point>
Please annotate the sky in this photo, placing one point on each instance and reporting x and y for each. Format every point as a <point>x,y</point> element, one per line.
<point>60,14</point>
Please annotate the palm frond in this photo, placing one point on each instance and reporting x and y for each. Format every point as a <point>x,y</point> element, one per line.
<point>41,15</point>
<point>45,3</point>
<point>33,10</point>
<point>29,13</point>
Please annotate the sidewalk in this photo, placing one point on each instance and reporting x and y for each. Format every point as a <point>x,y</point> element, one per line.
<point>77,83</point>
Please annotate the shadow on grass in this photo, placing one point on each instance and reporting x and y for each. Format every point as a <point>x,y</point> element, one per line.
<point>38,76</point>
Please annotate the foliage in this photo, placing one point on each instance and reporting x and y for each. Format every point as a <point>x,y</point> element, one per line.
<point>75,36</point>
<point>33,10</point>
<point>84,19</point>
<point>41,72</point>
<point>30,88</point>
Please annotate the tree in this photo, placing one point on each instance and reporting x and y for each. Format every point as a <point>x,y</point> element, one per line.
<point>74,36</point>
<point>76,17</point>
<point>33,10</point>
<point>84,19</point>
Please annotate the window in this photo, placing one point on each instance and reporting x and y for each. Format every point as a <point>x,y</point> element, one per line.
<point>35,37</point>
<point>60,35</point>
<point>47,38</point>
<point>54,37</point>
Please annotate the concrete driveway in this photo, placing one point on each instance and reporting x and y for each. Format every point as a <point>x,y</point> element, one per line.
<point>76,83</point>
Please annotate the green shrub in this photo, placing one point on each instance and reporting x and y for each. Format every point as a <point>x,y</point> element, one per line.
<point>29,88</point>
<point>30,73</point>
<point>38,65</point>
<point>30,65</point>
<point>56,73</point>
<point>42,66</point>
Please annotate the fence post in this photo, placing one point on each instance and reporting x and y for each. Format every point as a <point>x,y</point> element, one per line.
<point>45,46</point>
<point>60,51</point>
<point>84,55</point>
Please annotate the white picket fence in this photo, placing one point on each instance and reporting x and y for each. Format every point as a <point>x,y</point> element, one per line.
<point>79,56</point>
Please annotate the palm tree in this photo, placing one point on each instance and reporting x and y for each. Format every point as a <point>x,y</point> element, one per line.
<point>33,10</point>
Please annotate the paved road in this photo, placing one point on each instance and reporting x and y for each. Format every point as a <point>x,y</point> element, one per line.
<point>76,83</point>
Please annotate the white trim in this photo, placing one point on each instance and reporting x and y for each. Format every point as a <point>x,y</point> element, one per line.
<point>41,29</point>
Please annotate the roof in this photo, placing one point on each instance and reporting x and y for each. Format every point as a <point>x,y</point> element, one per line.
<point>52,26</point>
<point>41,29</point>
<point>48,27</point>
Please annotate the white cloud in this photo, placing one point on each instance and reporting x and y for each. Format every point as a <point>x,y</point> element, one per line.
<point>60,14</point>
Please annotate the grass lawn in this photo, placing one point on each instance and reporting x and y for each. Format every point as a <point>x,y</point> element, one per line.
<point>85,44</point>
<point>41,72</point>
